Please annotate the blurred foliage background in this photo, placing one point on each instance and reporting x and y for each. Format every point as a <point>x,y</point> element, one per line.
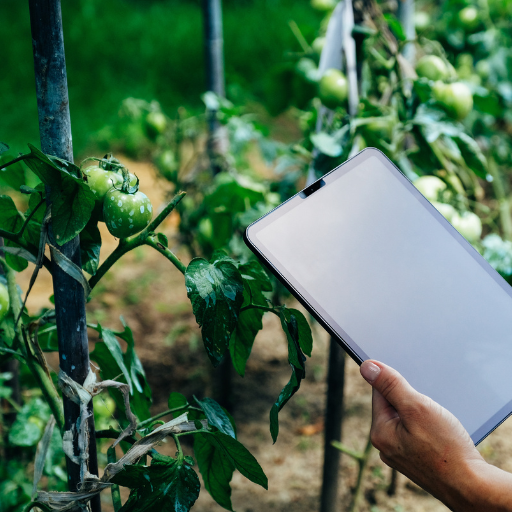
<point>149,49</point>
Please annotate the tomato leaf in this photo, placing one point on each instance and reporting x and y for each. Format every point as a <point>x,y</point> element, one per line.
<point>162,239</point>
<point>305,337</point>
<point>216,416</point>
<point>113,362</point>
<point>216,293</point>
<point>296,359</point>
<point>72,199</point>
<point>90,245</point>
<point>472,154</point>
<point>3,147</point>
<point>11,220</point>
<point>249,324</point>
<point>176,400</point>
<point>239,456</point>
<point>216,469</point>
<point>170,485</point>
<point>14,175</point>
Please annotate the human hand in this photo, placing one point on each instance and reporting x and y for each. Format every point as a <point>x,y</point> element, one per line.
<point>422,440</point>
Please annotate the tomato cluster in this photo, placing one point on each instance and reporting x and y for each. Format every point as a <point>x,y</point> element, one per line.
<point>119,203</point>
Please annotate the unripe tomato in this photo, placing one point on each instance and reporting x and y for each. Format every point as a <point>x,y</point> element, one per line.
<point>456,98</point>
<point>446,210</point>
<point>468,225</point>
<point>421,21</point>
<point>323,5</point>
<point>156,123</point>
<point>126,214</point>
<point>469,18</point>
<point>101,181</point>
<point>430,186</point>
<point>432,67</point>
<point>318,45</point>
<point>205,228</point>
<point>333,88</point>
<point>483,68</point>
<point>4,301</point>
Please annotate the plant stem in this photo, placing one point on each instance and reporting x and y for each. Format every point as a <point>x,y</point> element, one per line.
<point>27,220</point>
<point>503,201</point>
<point>45,382</point>
<point>256,306</point>
<point>19,159</point>
<point>363,462</point>
<point>178,444</point>
<point>128,244</point>
<point>114,488</point>
<point>147,422</point>
<point>167,253</point>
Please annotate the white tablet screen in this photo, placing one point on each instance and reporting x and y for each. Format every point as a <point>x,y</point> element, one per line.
<point>376,260</point>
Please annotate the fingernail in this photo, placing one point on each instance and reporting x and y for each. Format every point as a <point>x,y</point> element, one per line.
<point>370,371</point>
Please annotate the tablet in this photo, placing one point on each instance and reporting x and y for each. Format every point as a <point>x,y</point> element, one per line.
<point>382,270</point>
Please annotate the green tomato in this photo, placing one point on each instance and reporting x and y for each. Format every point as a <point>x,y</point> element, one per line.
<point>104,406</point>
<point>468,225</point>
<point>430,186</point>
<point>323,5</point>
<point>432,67</point>
<point>101,181</point>
<point>156,123</point>
<point>126,214</point>
<point>318,45</point>
<point>333,88</point>
<point>446,210</point>
<point>4,301</point>
<point>421,21</point>
<point>469,18</point>
<point>456,98</point>
<point>205,228</point>
<point>483,68</point>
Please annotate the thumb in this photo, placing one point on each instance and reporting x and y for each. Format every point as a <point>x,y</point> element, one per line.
<point>389,383</point>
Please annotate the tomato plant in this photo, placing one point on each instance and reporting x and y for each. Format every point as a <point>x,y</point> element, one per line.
<point>228,300</point>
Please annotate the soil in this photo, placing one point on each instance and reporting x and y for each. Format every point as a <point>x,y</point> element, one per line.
<point>151,295</point>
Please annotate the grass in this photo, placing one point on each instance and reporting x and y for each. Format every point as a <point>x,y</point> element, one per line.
<point>146,49</point>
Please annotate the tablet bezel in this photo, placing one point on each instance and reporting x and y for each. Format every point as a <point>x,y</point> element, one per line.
<point>327,322</point>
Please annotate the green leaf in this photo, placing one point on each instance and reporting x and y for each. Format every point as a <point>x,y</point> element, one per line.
<point>472,154</point>
<point>395,26</point>
<point>106,355</point>
<point>11,220</point>
<point>296,359</point>
<point>303,329</point>
<point>216,293</point>
<point>72,199</point>
<point>216,469</point>
<point>287,392</point>
<point>29,425</point>
<point>162,239</point>
<point>176,400</point>
<point>114,348</point>
<point>14,175</point>
<point>434,123</point>
<point>90,245</point>
<point>216,416</point>
<point>242,339</point>
<point>169,486</point>
<point>3,147</point>
<point>326,144</point>
<point>239,457</point>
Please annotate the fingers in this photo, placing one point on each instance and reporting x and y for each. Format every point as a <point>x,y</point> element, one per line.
<point>389,383</point>
<point>382,410</point>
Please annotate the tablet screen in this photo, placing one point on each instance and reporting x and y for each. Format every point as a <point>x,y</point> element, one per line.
<point>398,284</point>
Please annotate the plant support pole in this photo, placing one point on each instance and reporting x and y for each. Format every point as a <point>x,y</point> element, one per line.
<point>55,133</point>
<point>214,59</point>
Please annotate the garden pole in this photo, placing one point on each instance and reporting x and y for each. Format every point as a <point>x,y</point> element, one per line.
<point>339,43</point>
<point>214,58</point>
<point>55,133</point>
<point>406,17</point>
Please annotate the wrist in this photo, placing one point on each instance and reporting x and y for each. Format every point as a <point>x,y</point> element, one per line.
<point>480,487</point>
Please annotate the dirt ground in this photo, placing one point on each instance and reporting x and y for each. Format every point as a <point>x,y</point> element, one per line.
<point>151,295</point>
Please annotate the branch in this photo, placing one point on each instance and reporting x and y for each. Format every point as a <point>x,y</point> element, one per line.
<point>19,159</point>
<point>152,242</point>
<point>130,243</point>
